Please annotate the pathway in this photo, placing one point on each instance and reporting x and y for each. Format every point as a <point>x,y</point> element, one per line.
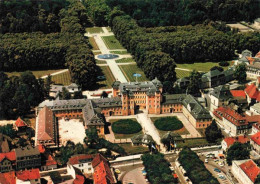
<point>150,129</point>
<point>56,73</point>
<point>104,50</point>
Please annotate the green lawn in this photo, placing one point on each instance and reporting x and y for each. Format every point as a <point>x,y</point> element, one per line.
<point>92,30</point>
<point>63,78</point>
<point>124,136</point>
<point>101,62</point>
<point>193,143</point>
<point>204,67</point>
<point>119,52</point>
<point>134,149</point>
<point>37,74</point>
<point>104,84</point>
<point>181,73</point>
<point>181,131</point>
<point>112,43</point>
<point>129,70</point>
<point>125,60</point>
<point>93,43</point>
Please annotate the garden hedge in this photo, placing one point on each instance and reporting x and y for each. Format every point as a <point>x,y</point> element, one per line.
<point>126,126</point>
<point>168,123</point>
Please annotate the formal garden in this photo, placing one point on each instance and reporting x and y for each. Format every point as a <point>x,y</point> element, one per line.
<point>62,78</point>
<point>125,128</point>
<point>93,43</point>
<point>129,70</point>
<point>125,60</point>
<point>122,52</point>
<point>109,78</point>
<point>93,30</point>
<point>112,43</point>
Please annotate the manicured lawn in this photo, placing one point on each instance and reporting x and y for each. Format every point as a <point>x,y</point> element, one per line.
<point>112,43</point>
<point>182,73</point>
<point>182,131</point>
<point>129,70</point>
<point>124,136</point>
<point>92,30</point>
<point>119,52</point>
<point>125,60</point>
<point>168,123</point>
<point>37,74</point>
<point>204,67</point>
<point>134,149</point>
<point>93,43</point>
<point>109,78</point>
<point>63,78</point>
<point>193,143</point>
<point>101,62</point>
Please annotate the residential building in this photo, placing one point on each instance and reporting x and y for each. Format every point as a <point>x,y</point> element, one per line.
<point>233,122</point>
<point>7,161</point>
<point>82,162</point>
<point>4,145</point>
<point>31,176</point>
<point>55,90</point>
<point>229,141</point>
<point>48,162</point>
<point>8,178</point>
<point>252,93</point>
<point>255,128</point>
<point>103,174</point>
<point>239,96</point>
<point>255,109</point>
<point>219,96</point>
<point>27,157</point>
<point>195,112</point>
<point>255,142</point>
<point>245,171</point>
<point>182,82</point>
<point>20,125</point>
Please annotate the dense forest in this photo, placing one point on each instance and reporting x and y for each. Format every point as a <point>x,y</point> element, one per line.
<point>153,13</point>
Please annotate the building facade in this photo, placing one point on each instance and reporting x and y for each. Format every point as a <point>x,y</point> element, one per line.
<point>82,162</point>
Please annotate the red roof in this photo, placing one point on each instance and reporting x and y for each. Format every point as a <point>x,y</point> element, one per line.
<point>257,55</point>
<point>41,148</point>
<point>79,179</point>
<point>49,160</point>
<point>8,178</point>
<point>175,175</point>
<point>252,91</point>
<point>10,156</point>
<point>45,125</point>
<point>256,138</point>
<point>77,159</point>
<point>28,174</point>
<point>20,123</point>
<point>231,140</point>
<point>97,159</point>
<point>251,169</point>
<point>238,93</point>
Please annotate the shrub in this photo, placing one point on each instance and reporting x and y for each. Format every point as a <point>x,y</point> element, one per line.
<point>168,124</point>
<point>223,63</point>
<point>126,126</point>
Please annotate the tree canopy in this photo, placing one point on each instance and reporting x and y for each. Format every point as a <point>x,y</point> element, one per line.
<point>213,133</point>
<point>238,151</point>
<point>240,73</point>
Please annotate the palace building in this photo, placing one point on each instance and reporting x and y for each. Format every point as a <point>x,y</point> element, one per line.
<point>128,99</point>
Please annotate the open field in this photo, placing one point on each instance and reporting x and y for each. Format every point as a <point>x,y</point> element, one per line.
<point>134,149</point>
<point>92,30</point>
<point>181,131</point>
<point>125,60</point>
<point>93,43</point>
<point>129,70</point>
<point>119,52</point>
<point>37,74</point>
<point>124,136</point>
<point>181,73</point>
<point>63,78</point>
<point>112,43</point>
<point>204,67</point>
<point>109,78</point>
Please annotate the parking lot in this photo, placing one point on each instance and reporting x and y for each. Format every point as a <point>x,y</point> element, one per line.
<point>134,176</point>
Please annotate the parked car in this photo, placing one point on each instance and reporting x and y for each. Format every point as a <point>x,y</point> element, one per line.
<point>217,170</point>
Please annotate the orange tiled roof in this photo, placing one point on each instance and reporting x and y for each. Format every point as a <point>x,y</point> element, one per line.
<point>79,179</point>
<point>76,159</point>
<point>97,159</point>
<point>238,93</point>
<point>28,174</point>
<point>250,60</point>
<point>256,138</point>
<point>45,124</point>
<point>257,55</point>
<point>20,123</point>
<point>41,148</point>
<point>252,91</point>
<point>8,178</point>
<point>251,169</point>
<point>50,160</point>
<point>231,140</point>
<point>10,156</point>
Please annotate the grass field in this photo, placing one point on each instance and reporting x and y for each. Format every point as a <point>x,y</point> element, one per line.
<point>181,131</point>
<point>92,30</point>
<point>119,52</point>
<point>125,60</point>
<point>63,78</point>
<point>109,78</point>
<point>112,43</point>
<point>93,43</point>
<point>204,67</point>
<point>181,73</point>
<point>37,74</point>
<point>193,143</point>
<point>124,136</point>
<point>134,149</point>
<point>101,62</point>
<point>129,70</point>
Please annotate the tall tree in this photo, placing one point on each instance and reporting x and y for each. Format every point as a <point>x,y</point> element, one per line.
<point>240,73</point>
<point>195,82</point>
<point>238,151</point>
<point>213,133</point>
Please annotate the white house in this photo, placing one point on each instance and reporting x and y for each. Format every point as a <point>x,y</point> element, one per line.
<point>82,162</point>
